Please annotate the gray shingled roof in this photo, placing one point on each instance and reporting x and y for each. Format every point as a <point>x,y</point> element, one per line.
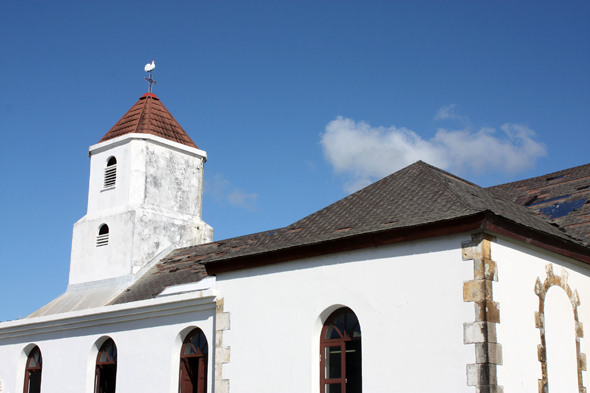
<point>417,195</point>
<point>561,197</point>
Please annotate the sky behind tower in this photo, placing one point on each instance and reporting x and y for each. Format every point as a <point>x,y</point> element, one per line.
<point>296,103</point>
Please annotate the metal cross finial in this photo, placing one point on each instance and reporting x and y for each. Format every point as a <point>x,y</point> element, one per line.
<point>150,81</point>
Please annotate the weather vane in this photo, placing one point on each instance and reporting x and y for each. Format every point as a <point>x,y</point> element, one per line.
<point>149,68</point>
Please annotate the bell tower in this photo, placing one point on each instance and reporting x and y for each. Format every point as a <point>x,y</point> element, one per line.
<point>145,195</point>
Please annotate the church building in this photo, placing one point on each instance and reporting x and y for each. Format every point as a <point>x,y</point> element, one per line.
<point>420,282</point>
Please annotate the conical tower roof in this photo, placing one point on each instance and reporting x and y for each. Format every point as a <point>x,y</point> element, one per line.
<point>149,116</point>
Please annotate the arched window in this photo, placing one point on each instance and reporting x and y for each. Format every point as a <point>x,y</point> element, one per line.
<point>103,236</point>
<point>340,351</point>
<point>106,368</point>
<point>33,371</point>
<point>110,173</point>
<point>193,363</point>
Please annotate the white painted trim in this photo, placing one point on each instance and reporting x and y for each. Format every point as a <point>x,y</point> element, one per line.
<point>150,308</point>
<point>99,147</point>
<point>206,283</point>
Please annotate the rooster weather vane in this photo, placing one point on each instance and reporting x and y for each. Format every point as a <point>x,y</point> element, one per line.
<point>149,68</point>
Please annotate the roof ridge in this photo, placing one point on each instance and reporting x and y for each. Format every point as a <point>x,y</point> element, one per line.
<point>136,128</point>
<point>540,176</point>
<point>435,174</point>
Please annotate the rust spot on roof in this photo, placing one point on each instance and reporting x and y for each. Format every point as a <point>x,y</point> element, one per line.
<point>240,247</point>
<point>343,229</point>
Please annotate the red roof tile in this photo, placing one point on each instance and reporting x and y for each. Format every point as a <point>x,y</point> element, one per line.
<point>149,116</point>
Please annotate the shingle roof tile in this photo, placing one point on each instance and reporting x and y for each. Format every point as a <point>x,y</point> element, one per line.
<point>417,195</point>
<point>545,194</point>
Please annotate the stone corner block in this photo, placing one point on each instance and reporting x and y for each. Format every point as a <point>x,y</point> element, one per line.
<point>222,355</point>
<point>485,269</point>
<point>479,332</point>
<point>481,374</point>
<point>222,386</point>
<point>222,321</point>
<point>477,290</point>
<point>488,353</point>
<point>486,310</point>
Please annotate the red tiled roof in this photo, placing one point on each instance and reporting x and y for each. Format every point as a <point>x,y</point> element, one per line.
<point>149,116</point>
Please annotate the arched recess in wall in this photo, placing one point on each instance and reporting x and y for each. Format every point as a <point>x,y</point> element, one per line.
<point>102,239</point>
<point>33,371</point>
<point>110,173</point>
<point>341,353</point>
<point>105,377</point>
<point>552,377</point>
<point>194,360</point>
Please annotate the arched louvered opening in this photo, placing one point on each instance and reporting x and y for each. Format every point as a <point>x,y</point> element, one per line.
<point>110,173</point>
<point>193,363</point>
<point>33,371</point>
<point>103,236</point>
<point>106,368</point>
<point>340,351</point>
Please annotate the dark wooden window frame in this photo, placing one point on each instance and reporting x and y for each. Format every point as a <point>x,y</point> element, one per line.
<point>34,366</point>
<point>343,338</point>
<point>103,365</point>
<point>198,354</point>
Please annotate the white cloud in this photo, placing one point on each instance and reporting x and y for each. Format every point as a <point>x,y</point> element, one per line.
<point>364,154</point>
<point>220,188</point>
<point>239,198</point>
<point>447,113</point>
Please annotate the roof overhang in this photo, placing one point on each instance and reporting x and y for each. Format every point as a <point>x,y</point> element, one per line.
<point>485,221</point>
<point>102,146</point>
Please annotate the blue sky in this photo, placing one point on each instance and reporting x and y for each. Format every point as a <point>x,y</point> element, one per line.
<point>296,103</point>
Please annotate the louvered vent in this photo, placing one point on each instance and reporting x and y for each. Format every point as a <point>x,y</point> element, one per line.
<point>110,173</point>
<point>103,236</point>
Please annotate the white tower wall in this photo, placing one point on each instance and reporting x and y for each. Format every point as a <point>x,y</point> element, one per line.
<point>155,203</point>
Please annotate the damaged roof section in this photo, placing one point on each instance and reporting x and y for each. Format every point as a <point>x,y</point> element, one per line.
<point>418,196</point>
<point>179,267</point>
<point>562,198</point>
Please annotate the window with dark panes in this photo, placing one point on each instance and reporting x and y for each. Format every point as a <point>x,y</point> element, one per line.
<point>340,352</point>
<point>193,363</point>
<point>33,371</point>
<point>106,368</point>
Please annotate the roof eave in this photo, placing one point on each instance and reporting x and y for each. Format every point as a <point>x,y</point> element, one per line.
<point>349,243</point>
<point>483,221</point>
<point>558,245</point>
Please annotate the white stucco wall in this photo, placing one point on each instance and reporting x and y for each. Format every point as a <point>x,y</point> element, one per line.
<point>148,336</point>
<point>155,203</point>
<point>408,299</point>
<point>150,171</point>
<point>519,266</point>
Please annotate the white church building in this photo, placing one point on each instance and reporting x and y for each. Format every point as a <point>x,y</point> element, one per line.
<point>420,282</point>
